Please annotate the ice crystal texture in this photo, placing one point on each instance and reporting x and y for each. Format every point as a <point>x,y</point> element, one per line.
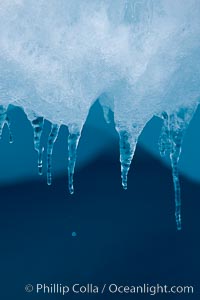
<point>140,58</point>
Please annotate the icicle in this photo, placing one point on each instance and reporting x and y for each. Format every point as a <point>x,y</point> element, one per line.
<point>176,135</point>
<point>3,117</point>
<point>38,124</point>
<point>171,139</point>
<point>164,141</point>
<point>10,133</point>
<point>73,139</point>
<point>51,140</point>
<point>128,138</point>
<point>126,155</point>
<point>4,120</point>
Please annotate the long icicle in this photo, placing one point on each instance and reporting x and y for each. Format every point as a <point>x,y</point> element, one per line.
<point>170,142</point>
<point>171,138</point>
<point>38,124</point>
<point>51,141</point>
<point>176,135</point>
<point>73,139</point>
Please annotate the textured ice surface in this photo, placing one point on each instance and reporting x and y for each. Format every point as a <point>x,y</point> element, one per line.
<point>140,58</point>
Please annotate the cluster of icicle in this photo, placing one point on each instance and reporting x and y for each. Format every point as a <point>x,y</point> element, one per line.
<point>140,58</point>
<point>172,132</point>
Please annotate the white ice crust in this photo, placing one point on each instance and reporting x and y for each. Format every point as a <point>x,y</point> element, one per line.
<point>139,57</point>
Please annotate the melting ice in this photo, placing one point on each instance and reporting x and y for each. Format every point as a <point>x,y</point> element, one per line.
<point>140,58</point>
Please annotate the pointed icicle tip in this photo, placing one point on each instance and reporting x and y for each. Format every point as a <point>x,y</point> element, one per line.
<point>177,190</point>
<point>37,125</point>
<point>126,155</point>
<point>73,140</point>
<point>50,145</point>
<point>128,137</point>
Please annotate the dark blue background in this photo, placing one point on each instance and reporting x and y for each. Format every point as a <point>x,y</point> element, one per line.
<point>126,237</point>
